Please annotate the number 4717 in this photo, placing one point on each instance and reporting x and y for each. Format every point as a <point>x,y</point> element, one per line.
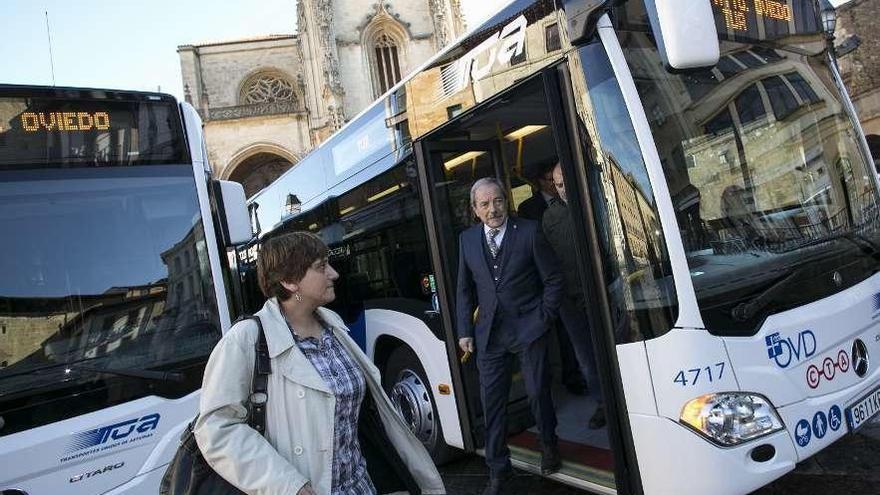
<point>696,373</point>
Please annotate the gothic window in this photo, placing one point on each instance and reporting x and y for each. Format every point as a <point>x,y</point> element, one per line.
<point>387,66</point>
<point>267,88</point>
<point>551,38</point>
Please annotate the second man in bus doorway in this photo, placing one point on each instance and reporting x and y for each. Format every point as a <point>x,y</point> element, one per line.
<point>507,269</point>
<point>559,229</point>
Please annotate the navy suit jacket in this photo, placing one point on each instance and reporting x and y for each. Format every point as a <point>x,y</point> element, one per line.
<point>529,289</point>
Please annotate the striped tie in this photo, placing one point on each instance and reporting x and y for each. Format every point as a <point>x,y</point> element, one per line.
<point>493,247</point>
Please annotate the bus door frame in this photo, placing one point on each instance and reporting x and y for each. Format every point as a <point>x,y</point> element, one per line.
<point>426,152</point>
<point>576,161</point>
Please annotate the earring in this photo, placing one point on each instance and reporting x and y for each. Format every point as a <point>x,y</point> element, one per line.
<point>298,297</point>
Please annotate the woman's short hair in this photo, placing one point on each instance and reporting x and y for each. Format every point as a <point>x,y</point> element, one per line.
<point>287,258</point>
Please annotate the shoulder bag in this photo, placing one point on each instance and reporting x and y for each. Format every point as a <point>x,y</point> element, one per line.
<point>189,473</point>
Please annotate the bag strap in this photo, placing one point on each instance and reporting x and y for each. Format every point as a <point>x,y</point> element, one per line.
<point>259,389</point>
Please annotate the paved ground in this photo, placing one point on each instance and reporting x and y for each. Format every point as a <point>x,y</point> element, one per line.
<point>849,467</point>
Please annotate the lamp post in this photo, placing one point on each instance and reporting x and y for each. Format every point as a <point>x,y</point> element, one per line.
<point>292,205</point>
<point>828,16</point>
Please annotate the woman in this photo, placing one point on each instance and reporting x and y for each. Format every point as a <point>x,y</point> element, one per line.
<point>322,392</point>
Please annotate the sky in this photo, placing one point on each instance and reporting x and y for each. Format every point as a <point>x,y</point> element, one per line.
<point>132,44</point>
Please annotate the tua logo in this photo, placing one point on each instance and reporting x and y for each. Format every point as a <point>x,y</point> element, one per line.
<point>783,350</point>
<point>114,432</point>
<point>500,48</point>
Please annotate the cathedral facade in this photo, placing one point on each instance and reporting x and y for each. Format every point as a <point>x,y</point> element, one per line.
<point>267,101</point>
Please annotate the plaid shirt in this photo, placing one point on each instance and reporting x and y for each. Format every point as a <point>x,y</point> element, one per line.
<point>345,378</point>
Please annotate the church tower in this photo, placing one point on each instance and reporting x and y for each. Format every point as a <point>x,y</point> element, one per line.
<point>267,101</point>
<point>353,51</point>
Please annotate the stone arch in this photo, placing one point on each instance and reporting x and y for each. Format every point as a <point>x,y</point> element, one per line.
<point>255,166</point>
<point>385,41</point>
<point>267,85</point>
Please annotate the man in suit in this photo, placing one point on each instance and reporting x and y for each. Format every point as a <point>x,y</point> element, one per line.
<point>506,267</point>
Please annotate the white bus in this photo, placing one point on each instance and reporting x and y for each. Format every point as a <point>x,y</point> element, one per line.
<point>725,226</point>
<point>112,292</point>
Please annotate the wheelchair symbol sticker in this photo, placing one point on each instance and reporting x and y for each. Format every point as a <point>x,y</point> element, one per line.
<point>835,418</point>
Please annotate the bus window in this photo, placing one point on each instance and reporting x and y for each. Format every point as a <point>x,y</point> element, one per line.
<point>637,271</point>
<point>766,179</point>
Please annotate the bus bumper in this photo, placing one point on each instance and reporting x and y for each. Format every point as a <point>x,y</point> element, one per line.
<point>674,459</point>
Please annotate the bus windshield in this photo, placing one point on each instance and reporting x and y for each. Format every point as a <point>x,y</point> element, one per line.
<point>105,274</point>
<point>775,203</point>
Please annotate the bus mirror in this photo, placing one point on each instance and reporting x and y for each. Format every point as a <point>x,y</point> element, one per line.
<point>685,32</point>
<point>581,16</point>
<point>237,225</point>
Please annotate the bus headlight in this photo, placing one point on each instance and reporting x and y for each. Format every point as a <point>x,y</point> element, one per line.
<point>731,418</point>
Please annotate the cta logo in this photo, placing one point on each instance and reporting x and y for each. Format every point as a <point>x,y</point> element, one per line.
<point>784,351</point>
<point>828,370</point>
<point>125,430</point>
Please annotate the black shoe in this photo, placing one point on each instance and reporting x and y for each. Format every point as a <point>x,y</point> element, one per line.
<point>550,460</point>
<point>496,485</point>
<point>598,419</point>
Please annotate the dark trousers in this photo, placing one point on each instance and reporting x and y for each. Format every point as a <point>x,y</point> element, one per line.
<point>573,317</point>
<point>571,369</point>
<point>494,365</point>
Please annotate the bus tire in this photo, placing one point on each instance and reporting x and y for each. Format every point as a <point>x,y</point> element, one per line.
<point>405,383</point>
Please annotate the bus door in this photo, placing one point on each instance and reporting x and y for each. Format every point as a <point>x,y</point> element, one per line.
<point>525,148</point>
<point>452,166</point>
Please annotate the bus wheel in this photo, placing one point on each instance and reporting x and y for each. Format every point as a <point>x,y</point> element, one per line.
<point>405,383</point>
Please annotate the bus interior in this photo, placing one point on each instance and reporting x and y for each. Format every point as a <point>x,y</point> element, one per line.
<point>512,137</point>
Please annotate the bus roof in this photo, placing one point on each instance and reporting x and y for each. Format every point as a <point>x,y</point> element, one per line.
<point>418,103</point>
<point>9,90</point>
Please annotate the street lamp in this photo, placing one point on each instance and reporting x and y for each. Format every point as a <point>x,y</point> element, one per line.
<point>828,17</point>
<point>292,205</point>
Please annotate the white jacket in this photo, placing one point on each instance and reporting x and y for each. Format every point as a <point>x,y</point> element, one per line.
<point>298,446</point>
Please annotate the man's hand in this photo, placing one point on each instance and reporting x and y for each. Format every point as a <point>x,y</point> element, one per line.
<point>466,344</point>
<point>306,490</point>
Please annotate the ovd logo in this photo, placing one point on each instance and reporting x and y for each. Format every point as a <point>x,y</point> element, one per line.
<point>783,351</point>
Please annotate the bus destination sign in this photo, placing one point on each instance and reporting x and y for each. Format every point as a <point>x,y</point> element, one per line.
<point>756,20</point>
<point>64,121</point>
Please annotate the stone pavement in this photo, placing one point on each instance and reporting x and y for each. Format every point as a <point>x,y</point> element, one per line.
<point>850,467</point>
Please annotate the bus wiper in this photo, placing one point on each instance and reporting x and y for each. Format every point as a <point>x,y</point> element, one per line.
<point>866,245</point>
<point>162,376</point>
<point>745,311</point>
<point>129,372</point>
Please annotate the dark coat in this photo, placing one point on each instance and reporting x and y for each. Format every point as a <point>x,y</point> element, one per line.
<point>533,207</point>
<point>558,228</point>
<point>529,289</point>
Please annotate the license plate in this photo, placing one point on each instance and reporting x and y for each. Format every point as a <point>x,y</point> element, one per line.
<point>863,410</point>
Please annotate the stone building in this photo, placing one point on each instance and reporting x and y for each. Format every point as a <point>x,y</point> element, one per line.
<point>267,101</point>
<point>861,67</point>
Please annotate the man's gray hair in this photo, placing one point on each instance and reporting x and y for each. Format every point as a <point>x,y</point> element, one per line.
<point>484,181</point>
